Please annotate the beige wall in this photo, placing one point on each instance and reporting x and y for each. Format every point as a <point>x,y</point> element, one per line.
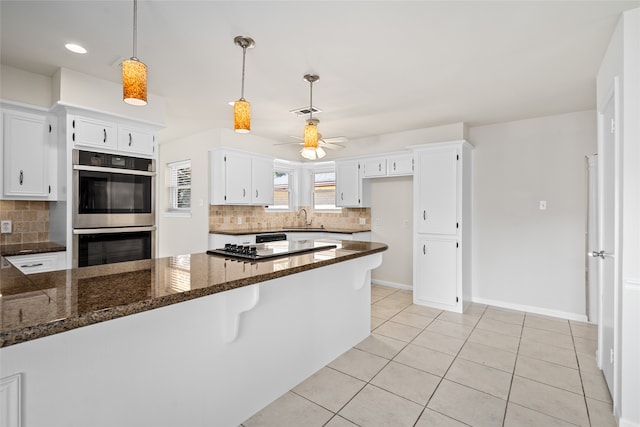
<point>522,255</point>
<point>22,86</point>
<point>392,223</point>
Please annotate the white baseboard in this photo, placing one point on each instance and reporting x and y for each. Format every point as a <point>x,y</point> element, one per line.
<point>625,423</point>
<point>392,284</point>
<point>532,309</point>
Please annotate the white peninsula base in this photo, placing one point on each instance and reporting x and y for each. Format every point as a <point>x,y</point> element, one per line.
<point>211,361</point>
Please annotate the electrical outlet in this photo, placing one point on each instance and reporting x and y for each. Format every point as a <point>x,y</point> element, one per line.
<point>363,221</point>
<point>6,227</point>
<point>542,205</point>
<point>239,220</point>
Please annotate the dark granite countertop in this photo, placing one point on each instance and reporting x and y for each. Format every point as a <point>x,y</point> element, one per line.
<point>289,230</point>
<point>43,304</point>
<point>30,248</point>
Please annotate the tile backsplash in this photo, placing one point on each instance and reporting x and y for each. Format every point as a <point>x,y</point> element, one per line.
<point>29,221</point>
<point>256,218</point>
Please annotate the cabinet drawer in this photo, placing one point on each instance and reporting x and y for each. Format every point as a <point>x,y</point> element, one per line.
<point>93,133</point>
<point>136,141</point>
<point>39,263</point>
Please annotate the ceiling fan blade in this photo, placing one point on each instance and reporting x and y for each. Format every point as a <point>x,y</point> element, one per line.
<point>336,139</point>
<point>332,146</point>
<point>288,143</point>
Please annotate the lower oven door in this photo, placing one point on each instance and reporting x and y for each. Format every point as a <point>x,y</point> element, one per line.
<point>97,246</point>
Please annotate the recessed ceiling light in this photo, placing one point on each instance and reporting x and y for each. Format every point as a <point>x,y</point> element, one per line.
<point>75,48</point>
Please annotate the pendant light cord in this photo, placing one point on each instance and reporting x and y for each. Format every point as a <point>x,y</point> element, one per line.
<point>244,54</point>
<point>135,29</point>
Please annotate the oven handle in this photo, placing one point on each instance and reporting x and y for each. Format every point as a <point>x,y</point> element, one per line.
<point>112,170</point>
<point>112,230</point>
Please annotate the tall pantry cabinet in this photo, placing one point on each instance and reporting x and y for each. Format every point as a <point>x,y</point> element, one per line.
<point>442,225</point>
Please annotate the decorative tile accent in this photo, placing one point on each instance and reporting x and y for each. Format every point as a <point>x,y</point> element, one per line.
<point>30,221</point>
<point>257,218</point>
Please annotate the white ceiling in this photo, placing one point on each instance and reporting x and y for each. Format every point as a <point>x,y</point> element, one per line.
<point>384,66</point>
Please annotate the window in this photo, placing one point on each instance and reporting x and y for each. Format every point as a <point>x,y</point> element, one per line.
<point>179,185</point>
<point>281,190</point>
<point>324,190</point>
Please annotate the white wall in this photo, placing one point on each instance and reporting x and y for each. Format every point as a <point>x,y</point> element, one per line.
<point>522,256</point>
<point>28,88</point>
<point>392,223</point>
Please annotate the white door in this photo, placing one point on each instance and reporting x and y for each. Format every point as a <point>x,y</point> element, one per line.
<point>347,184</point>
<point>606,253</point>
<point>262,181</point>
<point>237,179</point>
<point>438,192</point>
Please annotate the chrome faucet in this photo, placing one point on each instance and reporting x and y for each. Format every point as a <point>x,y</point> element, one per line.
<point>306,224</point>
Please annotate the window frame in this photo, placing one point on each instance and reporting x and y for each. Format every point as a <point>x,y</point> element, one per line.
<point>318,170</point>
<point>171,170</point>
<point>291,175</point>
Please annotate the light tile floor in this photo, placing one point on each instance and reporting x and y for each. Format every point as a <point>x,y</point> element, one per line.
<point>426,367</point>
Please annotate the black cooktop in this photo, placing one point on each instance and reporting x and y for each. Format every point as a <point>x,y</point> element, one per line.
<point>270,250</point>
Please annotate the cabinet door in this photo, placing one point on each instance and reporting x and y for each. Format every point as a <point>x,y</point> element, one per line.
<point>262,181</point>
<point>436,272</point>
<point>26,154</point>
<point>400,165</point>
<point>93,133</point>
<point>237,179</point>
<point>137,141</point>
<point>437,208</point>
<point>348,183</point>
<point>374,167</point>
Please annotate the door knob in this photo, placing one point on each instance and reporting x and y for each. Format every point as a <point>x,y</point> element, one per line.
<point>597,254</point>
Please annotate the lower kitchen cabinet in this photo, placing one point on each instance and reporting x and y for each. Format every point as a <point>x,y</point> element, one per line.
<point>436,272</point>
<point>39,263</point>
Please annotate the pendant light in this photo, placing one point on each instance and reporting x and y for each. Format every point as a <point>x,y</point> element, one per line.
<point>134,72</point>
<point>241,108</point>
<point>311,150</point>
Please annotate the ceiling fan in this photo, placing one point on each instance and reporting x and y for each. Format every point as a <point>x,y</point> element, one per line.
<point>332,143</point>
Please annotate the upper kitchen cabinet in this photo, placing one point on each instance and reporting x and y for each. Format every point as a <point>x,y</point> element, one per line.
<point>239,178</point>
<point>29,154</point>
<point>400,164</point>
<point>111,134</point>
<point>442,225</point>
<point>136,140</point>
<point>351,190</point>
<point>91,132</point>
<point>388,165</point>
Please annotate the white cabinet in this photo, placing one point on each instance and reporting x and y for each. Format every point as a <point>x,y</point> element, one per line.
<point>374,167</point>
<point>400,164</point>
<point>239,178</point>
<point>442,224</point>
<point>390,164</point>
<point>437,192</point>
<point>29,155</point>
<point>261,181</point>
<point>436,267</point>
<point>39,263</point>
<point>351,189</point>
<point>118,136</point>
<point>136,140</point>
<point>90,132</point>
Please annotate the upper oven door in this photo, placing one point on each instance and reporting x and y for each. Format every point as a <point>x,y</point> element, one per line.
<point>107,197</point>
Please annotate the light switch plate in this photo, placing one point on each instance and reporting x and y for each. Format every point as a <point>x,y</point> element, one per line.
<point>363,221</point>
<point>6,227</point>
<point>543,205</point>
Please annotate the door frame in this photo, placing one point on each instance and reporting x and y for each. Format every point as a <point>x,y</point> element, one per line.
<point>614,92</point>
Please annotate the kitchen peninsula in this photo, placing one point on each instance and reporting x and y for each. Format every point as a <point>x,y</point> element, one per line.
<point>188,340</point>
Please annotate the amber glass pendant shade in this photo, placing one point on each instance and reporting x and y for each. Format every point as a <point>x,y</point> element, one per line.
<point>242,116</point>
<point>311,136</point>
<point>134,82</point>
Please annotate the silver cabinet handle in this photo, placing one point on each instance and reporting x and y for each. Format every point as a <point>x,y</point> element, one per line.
<point>129,139</point>
<point>379,167</point>
<point>256,194</point>
<point>21,177</point>
<point>244,192</point>
<point>424,249</point>
<point>39,264</point>
<point>424,215</point>
<point>341,196</point>
<point>104,132</point>
<point>394,165</point>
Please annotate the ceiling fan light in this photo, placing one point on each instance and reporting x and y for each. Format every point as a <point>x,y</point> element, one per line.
<point>320,152</point>
<point>242,116</point>
<point>134,82</point>
<point>311,136</point>
<point>308,153</point>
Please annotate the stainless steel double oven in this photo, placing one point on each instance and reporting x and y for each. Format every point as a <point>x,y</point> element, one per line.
<point>113,200</point>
